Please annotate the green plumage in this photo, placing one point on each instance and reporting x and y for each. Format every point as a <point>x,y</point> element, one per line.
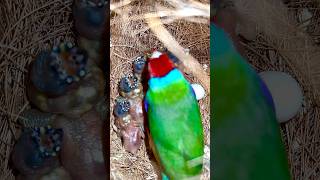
<point>175,125</point>
<point>246,139</point>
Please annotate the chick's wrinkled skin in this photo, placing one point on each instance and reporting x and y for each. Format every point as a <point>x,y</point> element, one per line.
<point>82,152</point>
<point>131,129</point>
<point>129,108</point>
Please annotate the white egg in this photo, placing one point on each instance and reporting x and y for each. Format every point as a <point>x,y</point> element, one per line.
<point>199,91</point>
<point>286,93</point>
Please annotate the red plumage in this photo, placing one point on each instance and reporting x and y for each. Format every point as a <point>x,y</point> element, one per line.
<point>161,66</point>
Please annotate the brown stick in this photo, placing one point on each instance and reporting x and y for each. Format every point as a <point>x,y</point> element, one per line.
<point>172,45</point>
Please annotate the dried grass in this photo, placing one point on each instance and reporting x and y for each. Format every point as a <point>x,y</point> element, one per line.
<point>131,35</point>
<point>26,27</point>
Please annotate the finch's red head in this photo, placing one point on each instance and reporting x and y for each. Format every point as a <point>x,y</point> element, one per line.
<point>159,64</point>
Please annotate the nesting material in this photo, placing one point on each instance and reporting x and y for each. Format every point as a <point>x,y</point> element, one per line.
<point>26,28</point>
<point>29,26</point>
<point>131,36</point>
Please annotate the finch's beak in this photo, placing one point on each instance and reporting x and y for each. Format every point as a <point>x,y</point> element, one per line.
<point>155,54</point>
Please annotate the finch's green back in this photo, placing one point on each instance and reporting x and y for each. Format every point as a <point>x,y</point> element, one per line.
<point>246,139</point>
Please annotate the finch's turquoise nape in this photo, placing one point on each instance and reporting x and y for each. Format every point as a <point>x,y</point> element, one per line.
<point>246,138</point>
<point>174,119</point>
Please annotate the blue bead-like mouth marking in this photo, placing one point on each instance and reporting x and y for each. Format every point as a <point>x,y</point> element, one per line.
<point>128,83</point>
<point>47,140</point>
<point>53,71</point>
<point>139,64</point>
<point>122,107</point>
<point>57,60</point>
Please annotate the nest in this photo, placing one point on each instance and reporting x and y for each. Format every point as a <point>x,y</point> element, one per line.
<point>29,26</point>
<point>131,38</point>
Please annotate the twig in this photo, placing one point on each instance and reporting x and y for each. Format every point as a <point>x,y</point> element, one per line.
<point>114,6</point>
<point>188,61</point>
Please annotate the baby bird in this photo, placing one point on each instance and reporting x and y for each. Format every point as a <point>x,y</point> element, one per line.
<point>36,152</point>
<point>139,67</point>
<point>58,173</point>
<point>82,152</point>
<point>122,108</point>
<point>129,107</point>
<point>130,129</point>
<point>90,18</point>
<point>53,72</point>
<point>61,81</point>
<point>130,86</point>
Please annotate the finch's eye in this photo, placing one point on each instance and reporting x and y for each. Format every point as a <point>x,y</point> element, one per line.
<point>47,140</point>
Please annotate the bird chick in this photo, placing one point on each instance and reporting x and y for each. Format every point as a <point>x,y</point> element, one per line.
<point>36,152</point>
<point>121,109</point>
<point>128,115</point>
<point>53,72</point>
<point>130,86</point>
<point>82,152</point>
<point>58,173</point>
<point>90,18</point>
<point>139,65</point>
<point>227,18</point>
<point>61,81</point>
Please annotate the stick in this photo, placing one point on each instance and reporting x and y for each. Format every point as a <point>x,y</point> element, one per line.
<point>187,60</point>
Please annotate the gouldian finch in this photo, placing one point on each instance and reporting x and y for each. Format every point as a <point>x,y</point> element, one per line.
<point>176,131</point>
<point>246,141</point>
